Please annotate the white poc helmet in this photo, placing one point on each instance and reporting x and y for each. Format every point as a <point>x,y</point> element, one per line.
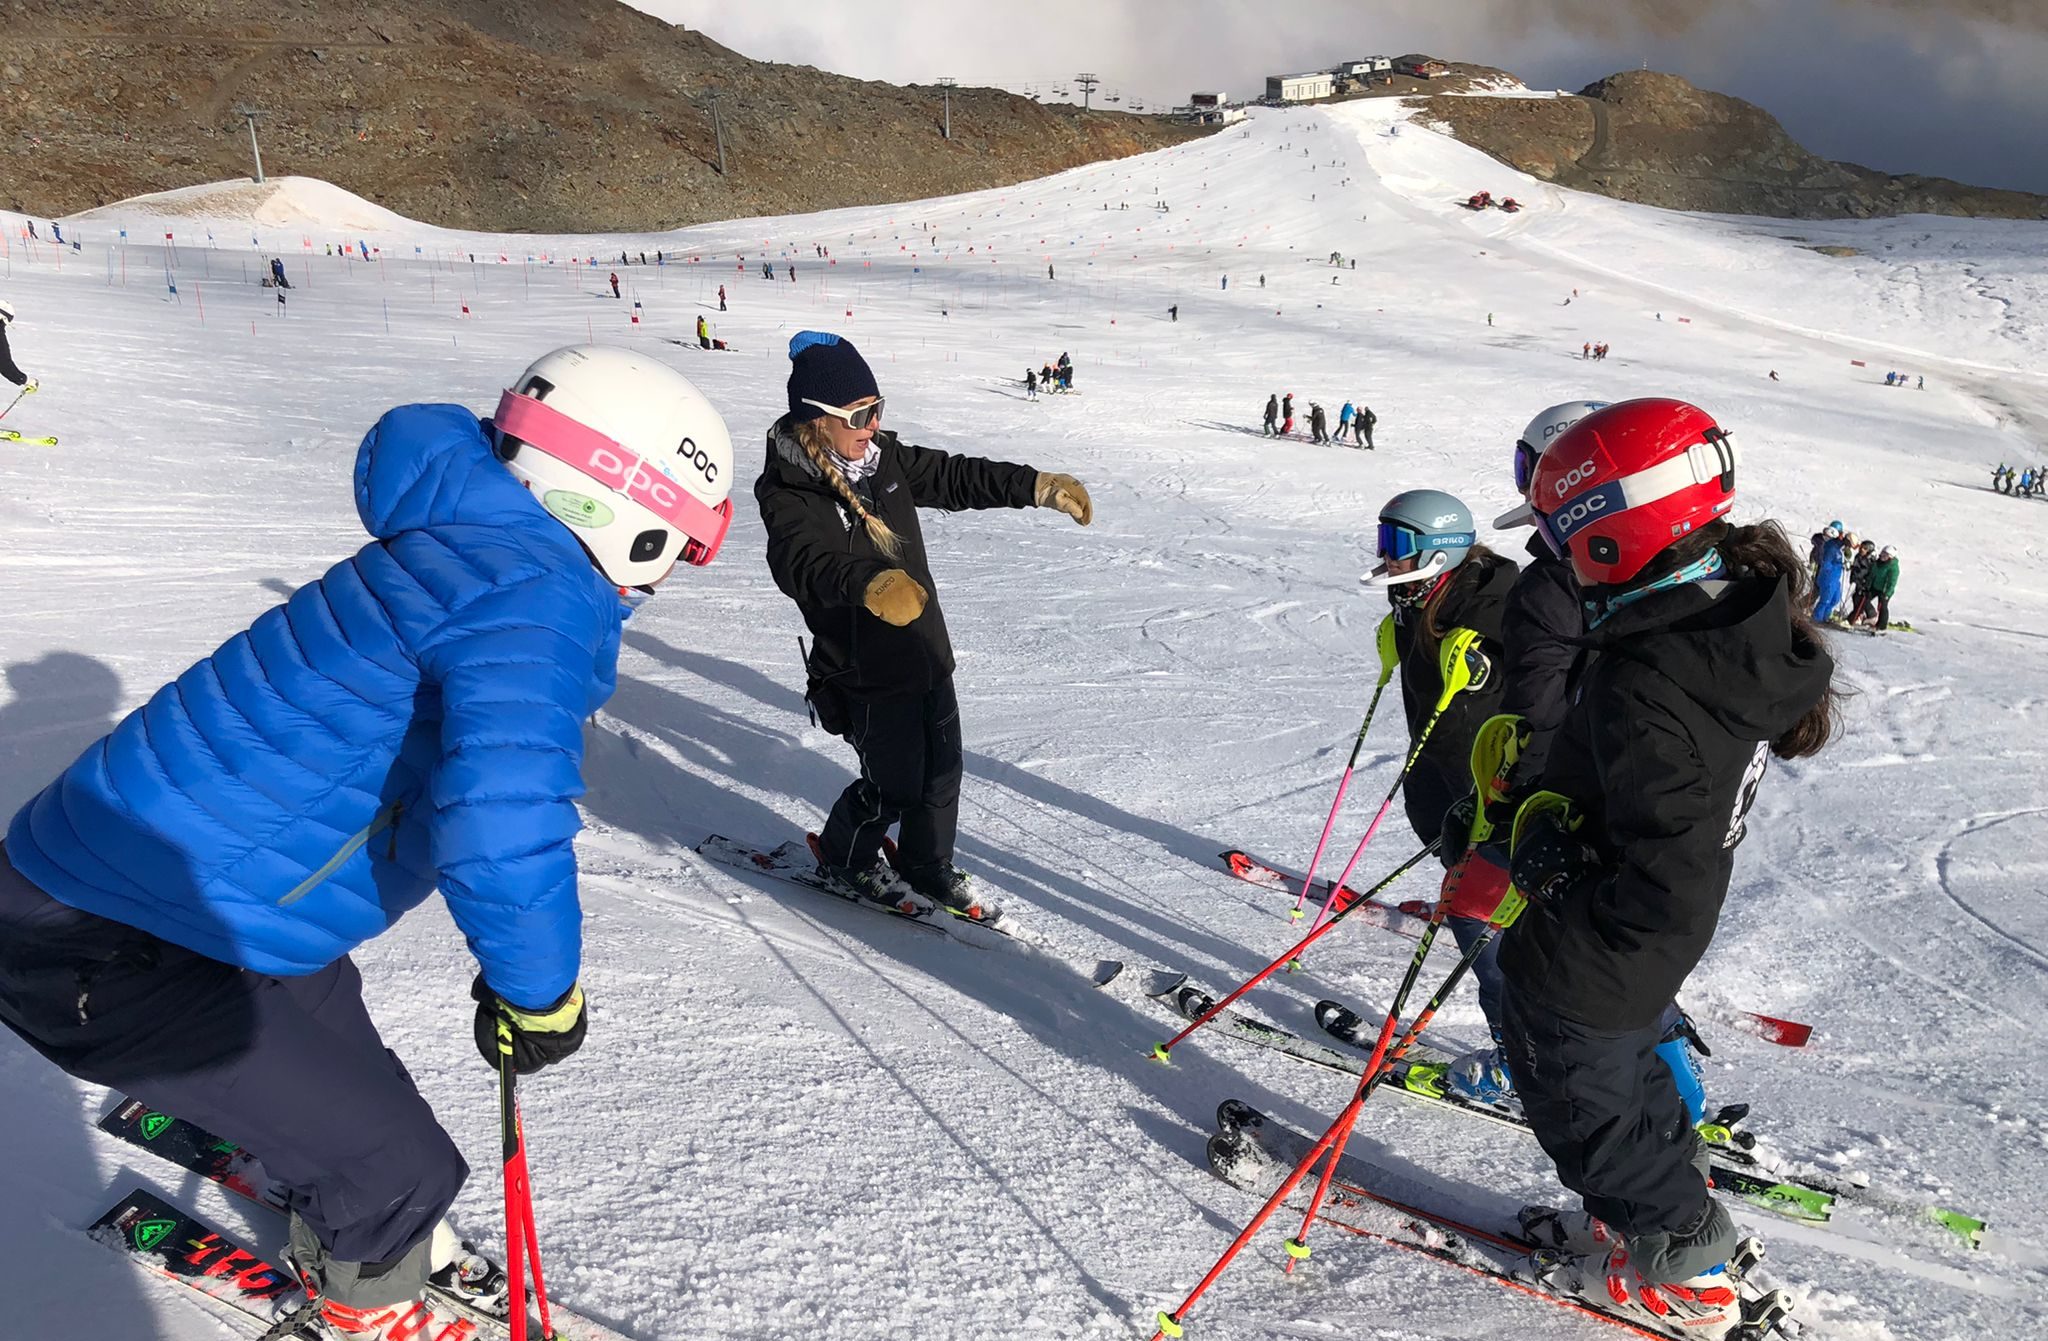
<point>1543,430</point>
<point>626,452</point>
<point>6,312</point>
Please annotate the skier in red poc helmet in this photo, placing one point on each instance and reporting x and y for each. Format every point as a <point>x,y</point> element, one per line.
<point>1699,663</point>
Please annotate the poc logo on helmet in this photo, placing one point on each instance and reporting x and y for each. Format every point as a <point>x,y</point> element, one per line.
<point>1448,519</point>
<point>1582,510</point>
<point>1577,475</point>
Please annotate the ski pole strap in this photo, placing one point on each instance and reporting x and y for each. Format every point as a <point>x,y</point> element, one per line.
<point>1514,901</point>
<point>1462,664</point>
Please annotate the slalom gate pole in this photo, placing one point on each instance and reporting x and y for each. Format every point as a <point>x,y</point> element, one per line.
<point>1170,1324</point>
<point>1457,656</point>
<point>1389,660</point>
<point>1160,1051</point>
<point>1381,1067</point>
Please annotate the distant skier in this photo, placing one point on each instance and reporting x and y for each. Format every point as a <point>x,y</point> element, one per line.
<point>1344,417</point>
<point>703,332</point>
<point>839,496</point>
<point>1271,428</point>
<point>1064,370</point>
<point>1884,584</point>
<point>1173,312</point>
<point>792,272</point>
<point>8,369</point>
<point>1287,414</point>
<point>1318,423</point>
<point>1829,565</point>
<point>1226,282</point>
<point>277,275</point>
<point>181,903</point>
<point>1048,272</point>
<point>615,283</point>
<point>1859,578</point>
<point>1362,425</point>
<point>721,297</point>
<point>1030,385</point>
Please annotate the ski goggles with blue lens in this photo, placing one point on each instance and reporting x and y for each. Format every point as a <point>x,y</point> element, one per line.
<point>1398,542</point>
<point>1526,458</point>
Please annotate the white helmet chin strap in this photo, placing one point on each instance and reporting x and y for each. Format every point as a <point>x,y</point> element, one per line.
<point>1429,569</point>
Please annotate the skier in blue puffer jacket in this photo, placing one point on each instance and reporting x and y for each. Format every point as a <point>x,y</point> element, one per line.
<point>177,909</point>
<point>1830,563</point>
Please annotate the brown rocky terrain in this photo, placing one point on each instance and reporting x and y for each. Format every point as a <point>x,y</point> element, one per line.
<point>1655,139</point>
<point>523,115</point>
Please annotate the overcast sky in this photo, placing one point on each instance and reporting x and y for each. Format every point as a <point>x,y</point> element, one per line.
<point>1954,88</point>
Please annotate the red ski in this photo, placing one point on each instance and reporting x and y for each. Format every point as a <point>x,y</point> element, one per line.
<point>1410,916</point>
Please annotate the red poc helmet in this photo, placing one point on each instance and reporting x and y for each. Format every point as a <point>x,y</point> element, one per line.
<point>1625,483</point>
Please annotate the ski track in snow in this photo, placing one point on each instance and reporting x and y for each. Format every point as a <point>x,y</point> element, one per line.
<point>795,1118</point>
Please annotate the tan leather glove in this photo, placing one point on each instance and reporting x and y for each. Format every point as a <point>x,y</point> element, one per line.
<point>1065,493</point>
<point>894,597</point>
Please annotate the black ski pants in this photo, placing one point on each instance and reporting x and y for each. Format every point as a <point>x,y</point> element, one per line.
<point>910,770</point>
<point>1604,1108</point>
<point>291,1068</point>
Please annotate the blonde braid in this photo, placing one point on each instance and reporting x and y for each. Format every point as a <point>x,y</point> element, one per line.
<point>810,435</point>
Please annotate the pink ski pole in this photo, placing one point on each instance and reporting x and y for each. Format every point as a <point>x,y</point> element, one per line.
<point>1389,659</point>
<point>1464,667</point>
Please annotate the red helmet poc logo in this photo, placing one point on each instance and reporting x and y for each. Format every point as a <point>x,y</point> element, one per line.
<point>1583,509</point>
<point>1576,476</point>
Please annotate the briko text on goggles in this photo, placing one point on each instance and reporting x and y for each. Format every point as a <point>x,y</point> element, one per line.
<point>582,448</point>
<point>856,418</point>
<point>1398,542</point>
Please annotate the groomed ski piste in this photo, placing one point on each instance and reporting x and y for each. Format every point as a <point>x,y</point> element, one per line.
<point>796,1118</point>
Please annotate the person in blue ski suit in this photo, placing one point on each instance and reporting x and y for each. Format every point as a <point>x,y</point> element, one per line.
<point>177,909</point>
<point>1827,576</point>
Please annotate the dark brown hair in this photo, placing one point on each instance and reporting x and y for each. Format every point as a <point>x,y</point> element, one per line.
<point>1764,550</point>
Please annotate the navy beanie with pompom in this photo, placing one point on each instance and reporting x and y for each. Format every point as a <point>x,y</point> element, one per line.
<point>825,368</point>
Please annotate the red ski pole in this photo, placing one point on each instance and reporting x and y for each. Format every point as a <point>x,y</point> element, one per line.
<point>1170,1323</point>
<point>1379,1069</point>
<point>522,1240</point>
<point>1161,1051</point>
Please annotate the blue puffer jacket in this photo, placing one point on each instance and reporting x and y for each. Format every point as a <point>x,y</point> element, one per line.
<point>413,718</point>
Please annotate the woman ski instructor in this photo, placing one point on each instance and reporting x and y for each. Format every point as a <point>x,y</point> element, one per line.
<point>839,496</point>
<point>1700,660</point>
<point>177,909</point>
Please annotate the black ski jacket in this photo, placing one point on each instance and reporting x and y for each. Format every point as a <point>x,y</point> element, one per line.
<point>7,368</point>
<point>1541,629</point>
<point>1477,600</point>
<point>1662,751</point>
<point>822,558</point>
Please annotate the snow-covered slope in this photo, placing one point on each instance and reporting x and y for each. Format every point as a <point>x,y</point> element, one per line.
<point>794,1118</point>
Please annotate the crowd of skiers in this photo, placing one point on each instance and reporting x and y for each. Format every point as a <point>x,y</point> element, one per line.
<point>1057,376</point>
<point>1656,654</point>
<point>178,908</point>
<point>1357,420</point>
<point>1854,579</point>
<point>1900,379</point>
<point>2028,482</point>
<point>1596,353</point>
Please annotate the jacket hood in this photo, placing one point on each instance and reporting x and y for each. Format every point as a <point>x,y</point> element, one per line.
<point>783,446</point>
<point>1730,646</point>
<point>432,465</point>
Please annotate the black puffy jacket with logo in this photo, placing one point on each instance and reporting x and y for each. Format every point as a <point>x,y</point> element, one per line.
<point>1666,741</point>
<point>821,557</point>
